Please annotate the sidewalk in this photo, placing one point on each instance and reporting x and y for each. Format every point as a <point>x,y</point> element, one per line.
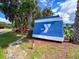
<point>2,31</point>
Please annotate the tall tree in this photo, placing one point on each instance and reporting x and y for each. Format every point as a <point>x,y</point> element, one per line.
<point>10,9</point>
<point>47,12</point>
<point>19,12</point>
<point>27,8</point>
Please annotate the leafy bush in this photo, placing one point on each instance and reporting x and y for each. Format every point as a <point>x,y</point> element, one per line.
<point>68,30</point>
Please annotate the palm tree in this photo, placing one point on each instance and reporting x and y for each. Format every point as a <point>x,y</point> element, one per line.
<point>10,9</point>
<point>19,12</point>
<point>47,12</point>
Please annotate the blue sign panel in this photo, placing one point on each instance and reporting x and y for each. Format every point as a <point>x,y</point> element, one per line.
<point>50,28</point>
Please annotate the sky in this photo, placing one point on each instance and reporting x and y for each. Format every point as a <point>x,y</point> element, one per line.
<point>3,19</point>
<point>2,15</point>
<point>64,8</point>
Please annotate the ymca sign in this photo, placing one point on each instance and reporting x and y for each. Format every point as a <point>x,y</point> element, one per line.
<point>50,28</point>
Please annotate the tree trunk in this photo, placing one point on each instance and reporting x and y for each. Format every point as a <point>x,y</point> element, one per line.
<point>30,26</point>
<point>30,21</point>
<point>75,37</point>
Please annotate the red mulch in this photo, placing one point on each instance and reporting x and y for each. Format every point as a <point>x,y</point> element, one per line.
<point>39,42</point>
<point>64,46</point>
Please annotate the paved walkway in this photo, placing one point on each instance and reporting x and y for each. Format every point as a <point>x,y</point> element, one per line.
<point>2,31</point>
<point>15,52</point>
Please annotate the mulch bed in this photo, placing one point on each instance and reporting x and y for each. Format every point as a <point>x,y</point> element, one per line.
<point>64,47</point>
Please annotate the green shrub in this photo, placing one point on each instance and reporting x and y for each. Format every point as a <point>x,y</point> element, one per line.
<point>68,30</point>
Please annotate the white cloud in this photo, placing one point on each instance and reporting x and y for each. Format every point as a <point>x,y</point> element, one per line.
<point>55,10</point>
<point>69,6</point>
<point>5,20</point>
<point>43,1</point>
<point>65,8</point>
<point>68,10</point>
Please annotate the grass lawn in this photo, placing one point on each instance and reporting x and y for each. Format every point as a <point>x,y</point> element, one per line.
<point>5,40</point>
<point>73,52</point>
<point>8,26</point>
<point>51,51</point>
<point>2,54</point>
<point>40,51</point>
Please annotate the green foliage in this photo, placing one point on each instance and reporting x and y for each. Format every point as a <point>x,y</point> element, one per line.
<point>27,6</point>
<point>8,26</point>
<point>47,12</point>
<point>18,11</point>
<point>68,30</point>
